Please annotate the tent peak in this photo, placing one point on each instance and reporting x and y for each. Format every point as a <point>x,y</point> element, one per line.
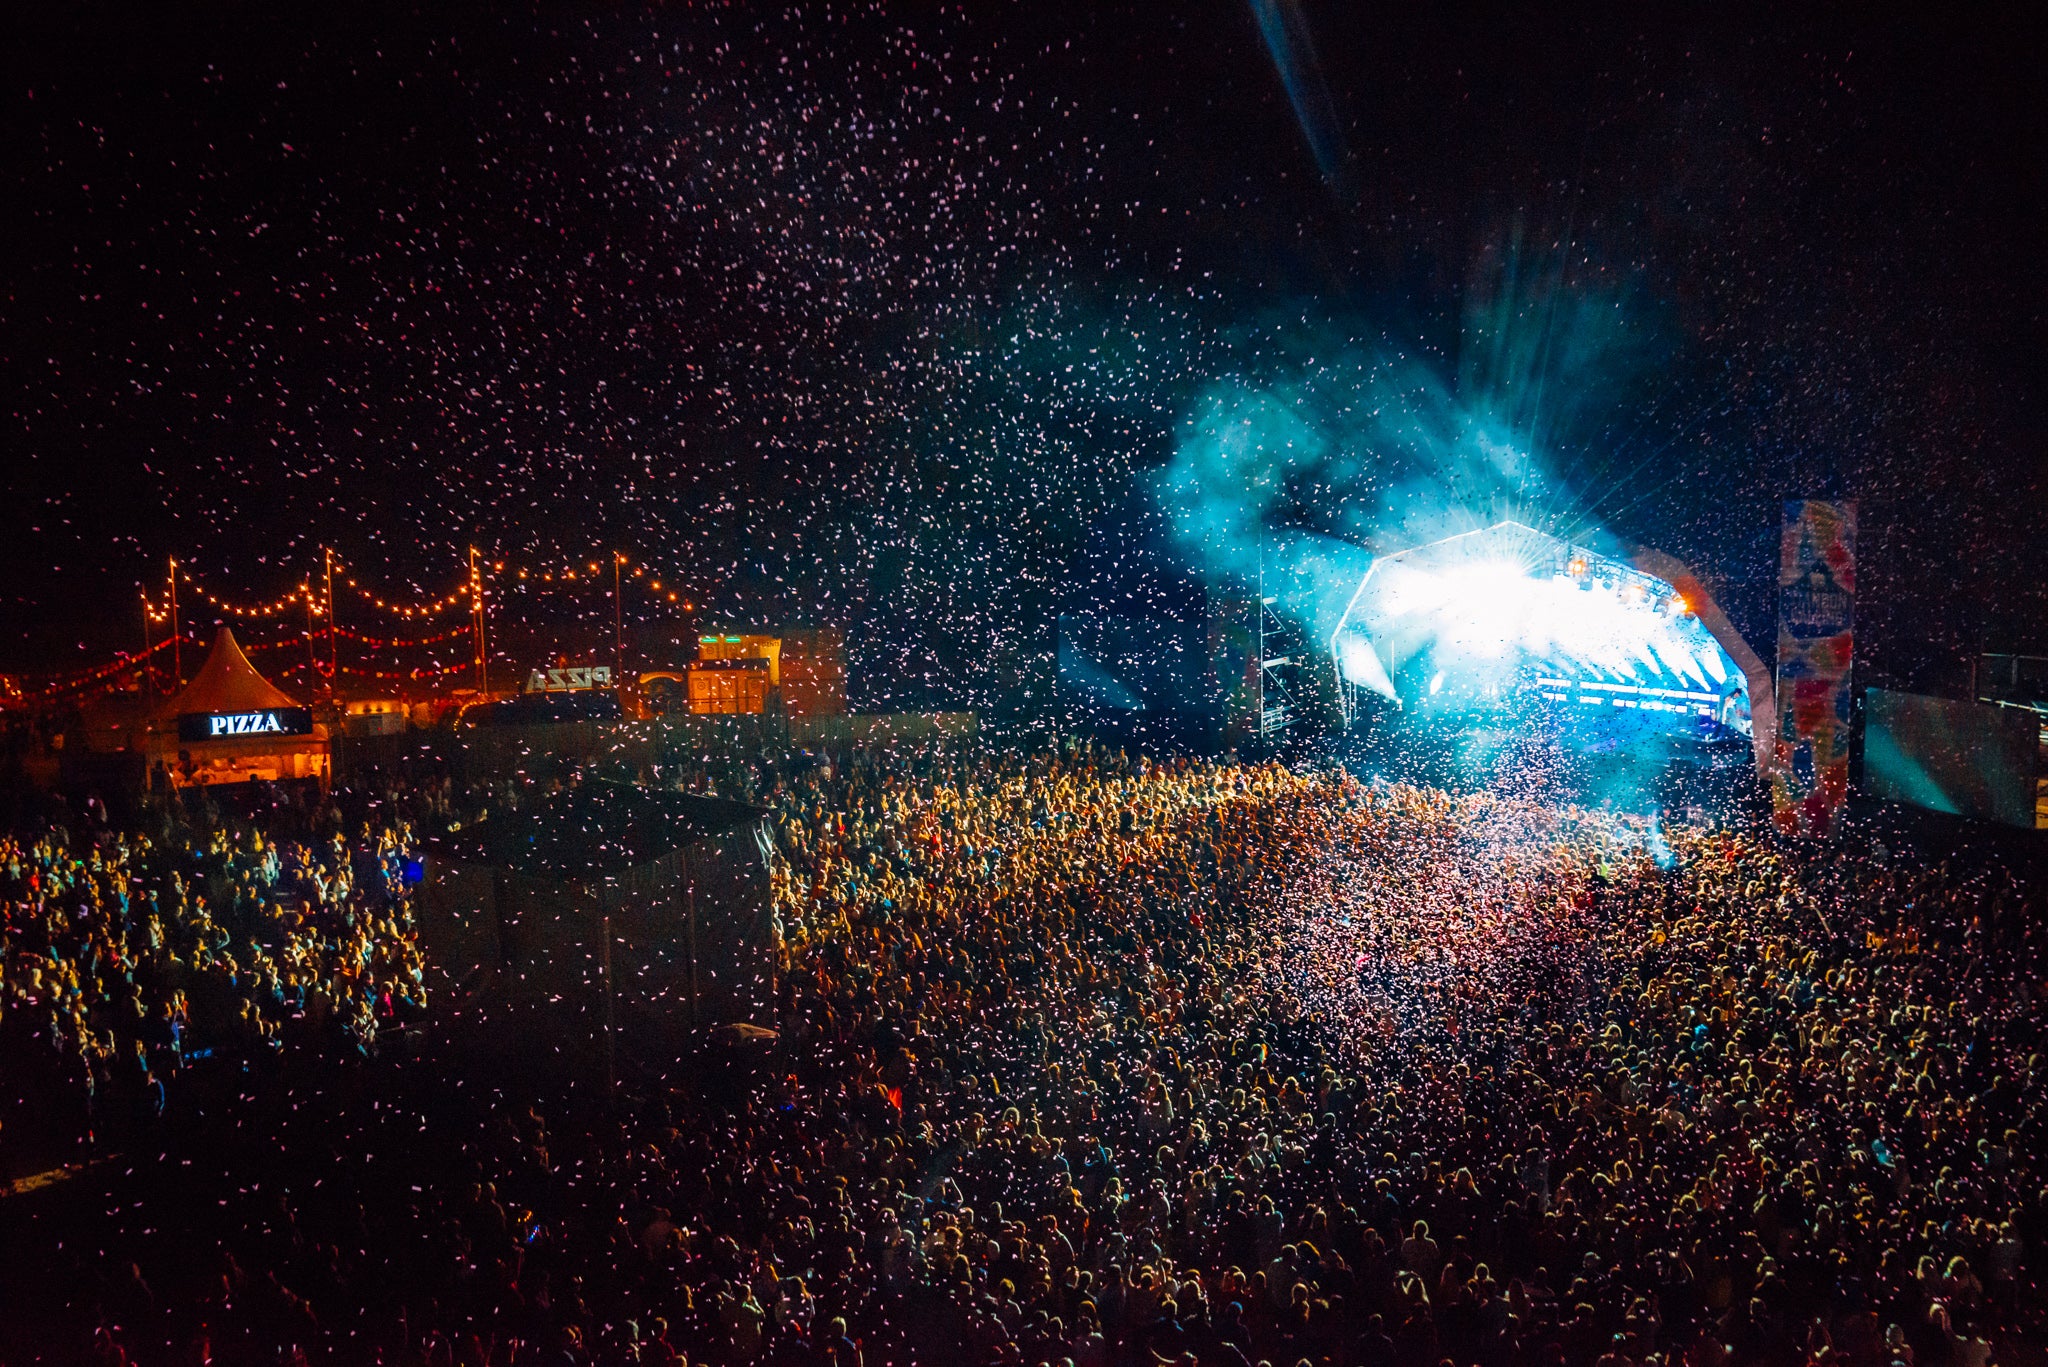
<point>227,682</point>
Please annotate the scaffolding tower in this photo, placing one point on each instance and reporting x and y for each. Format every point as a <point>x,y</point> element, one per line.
<point>1275,666</point>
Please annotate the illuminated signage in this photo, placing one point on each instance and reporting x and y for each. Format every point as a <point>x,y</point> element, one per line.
<point>571,679</point>
<point>266,722</point>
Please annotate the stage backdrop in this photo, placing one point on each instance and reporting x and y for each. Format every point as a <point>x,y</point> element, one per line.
<point>1816,638</point>
<point>1970,758</point>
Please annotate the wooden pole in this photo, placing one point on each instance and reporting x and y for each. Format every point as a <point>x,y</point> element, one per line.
<point>312,658</point>
<point>476,600</point>
<point>333,651</point>
<point>177,635</point>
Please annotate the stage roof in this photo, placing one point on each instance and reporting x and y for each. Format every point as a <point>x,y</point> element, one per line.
<point>1506,613</point>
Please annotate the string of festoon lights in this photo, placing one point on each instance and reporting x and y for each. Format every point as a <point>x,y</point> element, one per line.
<point>399,642</point>
<point>647,578</point>
<point>462,597</point>
<point>408,675</point>
<point>302,594</point>
<point>26,689</point>
<point>314,596</point>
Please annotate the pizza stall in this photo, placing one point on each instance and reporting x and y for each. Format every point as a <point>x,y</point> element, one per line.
<point>230,724</point>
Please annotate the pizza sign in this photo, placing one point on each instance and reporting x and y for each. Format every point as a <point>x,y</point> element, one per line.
<point>569,679</point>
<point>268,721</point>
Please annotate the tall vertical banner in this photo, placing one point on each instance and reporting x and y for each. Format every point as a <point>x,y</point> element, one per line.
<point>1816,641</point>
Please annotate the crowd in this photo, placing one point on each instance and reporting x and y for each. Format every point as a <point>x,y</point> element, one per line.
<point>125,956</point>
<point>1083,1059</point>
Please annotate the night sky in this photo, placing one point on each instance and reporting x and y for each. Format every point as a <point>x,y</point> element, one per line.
<point>881,315</point>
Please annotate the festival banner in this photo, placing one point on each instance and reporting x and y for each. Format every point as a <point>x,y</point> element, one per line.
<point>1816,638</point>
